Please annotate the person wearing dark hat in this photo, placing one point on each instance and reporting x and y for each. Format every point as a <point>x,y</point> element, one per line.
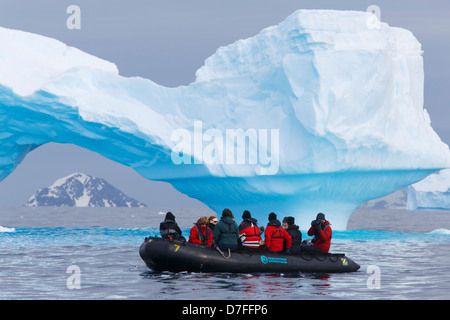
<point>276,236</point>
<point>321,230</point>
<point>294,232</point>
<point>249,233</point>
<point>169,228</point>
<point>226,232</point>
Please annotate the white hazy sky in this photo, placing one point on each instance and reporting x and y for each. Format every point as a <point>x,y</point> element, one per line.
<point>167,41</point>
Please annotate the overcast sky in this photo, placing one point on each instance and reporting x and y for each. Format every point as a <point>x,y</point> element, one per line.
<point>167,41</point>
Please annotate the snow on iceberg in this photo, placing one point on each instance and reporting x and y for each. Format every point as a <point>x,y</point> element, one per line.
<point>6,229</point>
<point>321,112</point>
<point>432,192</point>
<point>440,231</point>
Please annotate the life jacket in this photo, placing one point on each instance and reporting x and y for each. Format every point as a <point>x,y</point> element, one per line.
<point>250,235</point>
<point>202,237</point>
<point>276,236</point>
<point>167,230</point>
<point>280,235</point>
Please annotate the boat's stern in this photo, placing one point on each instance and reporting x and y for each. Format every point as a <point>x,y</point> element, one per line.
<point>349,264</point>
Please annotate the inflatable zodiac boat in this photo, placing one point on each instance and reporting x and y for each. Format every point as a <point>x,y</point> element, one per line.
<point>175,256</point>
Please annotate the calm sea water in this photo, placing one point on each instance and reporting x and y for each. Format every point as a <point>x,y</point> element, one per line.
<point>408,252</point>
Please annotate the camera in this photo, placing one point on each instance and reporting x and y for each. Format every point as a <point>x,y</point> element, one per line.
<point>316,223</point>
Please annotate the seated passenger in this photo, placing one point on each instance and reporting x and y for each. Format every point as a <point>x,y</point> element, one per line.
<point>294,232</point>
<point>169,229</point>
<point>226,232</point>
<point>201,233</point>
<point>321,230</point>
<point>212,222</point>
<point>249,233</point>
<point>275,235</point>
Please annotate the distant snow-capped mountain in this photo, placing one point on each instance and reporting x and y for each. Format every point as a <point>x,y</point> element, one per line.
<point>81,190</point>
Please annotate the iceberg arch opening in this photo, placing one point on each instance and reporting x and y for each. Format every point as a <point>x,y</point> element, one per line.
<point>49,162</point>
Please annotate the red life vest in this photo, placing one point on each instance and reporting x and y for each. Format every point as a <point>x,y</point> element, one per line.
<point>275,237</point>
<point>250,235</point>
<point>197,236</point>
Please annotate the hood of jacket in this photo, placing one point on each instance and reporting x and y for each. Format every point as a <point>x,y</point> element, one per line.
<point>227,220</point>
<point>274,222</point>
<point>252,220</point>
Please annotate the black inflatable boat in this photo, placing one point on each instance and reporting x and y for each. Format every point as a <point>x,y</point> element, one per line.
<point>175,256</point>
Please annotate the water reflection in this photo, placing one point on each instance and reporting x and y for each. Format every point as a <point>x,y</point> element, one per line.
<point>250,286</point>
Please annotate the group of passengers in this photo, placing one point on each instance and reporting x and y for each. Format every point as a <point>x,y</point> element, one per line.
<point>278,237</point>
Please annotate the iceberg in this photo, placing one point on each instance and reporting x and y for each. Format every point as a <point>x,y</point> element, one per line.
<point>6,229</point>
<point>433,192</point>
<point>319,113</point>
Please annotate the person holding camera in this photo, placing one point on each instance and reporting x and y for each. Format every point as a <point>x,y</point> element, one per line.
<point>321,230</point>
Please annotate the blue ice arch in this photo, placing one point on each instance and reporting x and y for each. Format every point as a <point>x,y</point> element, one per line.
<point>341,91</point>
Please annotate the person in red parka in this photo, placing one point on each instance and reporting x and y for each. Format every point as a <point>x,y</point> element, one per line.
<point>275,235</point>
<point>201,233</point>
<point>321,230</point>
